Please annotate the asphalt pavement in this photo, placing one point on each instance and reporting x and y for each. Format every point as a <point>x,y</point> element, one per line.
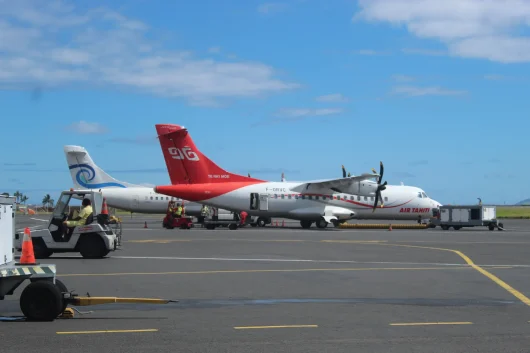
<point>285,289</point>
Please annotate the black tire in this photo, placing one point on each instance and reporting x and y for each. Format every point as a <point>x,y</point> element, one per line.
<point>232,226</point>
<point>91,246</point>
<point>306,224</point>
<point>210,226</point>
<point>491,227</point>
<point>62,289</point>
<point>262,222</point>
<point>500,226</point>
<point>41,301</point>
<point>456,227</point>
<point>40,250</point>
<point>253,225</point>
<point>321,224</point>
<point>444,227</point>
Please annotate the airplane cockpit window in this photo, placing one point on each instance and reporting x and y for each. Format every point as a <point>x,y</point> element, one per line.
<point>424,195</point>
<point>419,195</point>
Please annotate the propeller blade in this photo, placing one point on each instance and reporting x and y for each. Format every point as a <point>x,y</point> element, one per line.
<point>381,171</point>
<point>343,172</point>
<point>349,174</point>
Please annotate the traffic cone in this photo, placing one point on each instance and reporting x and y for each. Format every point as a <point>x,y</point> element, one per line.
<point>390,228</point>
<point>276,223</point>
<point>145,224</point>
<point>104,209</point>
<point>283,223</point>
<point>28,256</point>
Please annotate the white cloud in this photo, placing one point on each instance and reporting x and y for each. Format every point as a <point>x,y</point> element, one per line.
<point>414,91</point>
<point>336,97</point>
<point>423,51</point>
<point>271,7</point>
<point>469,28</point>
<point>214,50</point>
<point>83,127</point>
<point>48,43</point>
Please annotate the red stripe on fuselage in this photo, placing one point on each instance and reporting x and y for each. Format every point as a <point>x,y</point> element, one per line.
<point>202,192</point>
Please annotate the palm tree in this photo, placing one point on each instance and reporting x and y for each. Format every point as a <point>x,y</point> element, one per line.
<point>24,199</point>
<point>17,194</point>
<point>46,200</point>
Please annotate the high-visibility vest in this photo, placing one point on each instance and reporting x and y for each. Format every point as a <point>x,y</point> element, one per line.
<point>179,210</point>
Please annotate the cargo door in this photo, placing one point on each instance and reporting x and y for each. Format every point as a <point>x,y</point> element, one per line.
<point>488,213</point>
<point>135,202</point>
<point>464,215</point>
<point>264,202</point>
<point>456,215</point>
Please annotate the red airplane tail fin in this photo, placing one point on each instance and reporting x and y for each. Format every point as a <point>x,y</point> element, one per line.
<point>186,164</point>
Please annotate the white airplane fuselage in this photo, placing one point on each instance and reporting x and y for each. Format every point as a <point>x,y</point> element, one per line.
<point>276,199</point>
<point>144,200</point>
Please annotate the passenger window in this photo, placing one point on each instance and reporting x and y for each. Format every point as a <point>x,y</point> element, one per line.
<point>151,197</point>
<point>358,198</point>
<point>316,197</point>
<point>289,197</point>
<point>366,198</point>
<point>275,196</point>
<point>371,198</point>
<point>283,196</point>
<point>310,197</point>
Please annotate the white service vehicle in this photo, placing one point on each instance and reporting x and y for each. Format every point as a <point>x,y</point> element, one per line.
<point>95,239</point>
<point>458,216</point>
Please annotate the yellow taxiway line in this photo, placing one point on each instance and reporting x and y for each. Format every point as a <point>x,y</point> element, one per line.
<point>470,262</point>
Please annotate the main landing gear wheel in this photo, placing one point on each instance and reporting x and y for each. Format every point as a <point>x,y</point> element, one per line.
<point>322,224</point>
<point>306,224</point>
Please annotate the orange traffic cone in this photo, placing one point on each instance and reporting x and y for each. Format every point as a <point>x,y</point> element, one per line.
<point>104,209</point>
<point>28,256</point>
<point>145,224</point>
<point>390,228</point>
<point>276,223</point>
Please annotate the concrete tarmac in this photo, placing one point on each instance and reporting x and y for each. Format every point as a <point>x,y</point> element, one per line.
<point>287,289</point>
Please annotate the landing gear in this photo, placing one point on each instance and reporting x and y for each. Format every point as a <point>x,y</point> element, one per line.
<point>261,222</point>
<point>306,224</point>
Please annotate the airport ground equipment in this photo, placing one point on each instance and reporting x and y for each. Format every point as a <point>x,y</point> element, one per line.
<point>45,298</point>
<point>212,221</point>
<point>171,221</point>
<point>96,239</point>
<point>459,216</point>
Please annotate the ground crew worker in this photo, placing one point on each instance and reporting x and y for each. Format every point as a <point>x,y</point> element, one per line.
<point>178,212</point>
<point>80,220</point>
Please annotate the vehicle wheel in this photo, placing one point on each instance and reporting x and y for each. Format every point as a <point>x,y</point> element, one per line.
<point>456,227</point>
<point>92,246</point>
<point>500,226</point>
<point>322,224</point>
<point>491,227</point>
<point>306,224</point>
<point>253,225</point>
<point>232,226</point>
<point>62,288</point>
<point>41,301</point>
<point>210,226</point>
<point>40,250</point>
<point>261,222</point>
<point>444,227</point>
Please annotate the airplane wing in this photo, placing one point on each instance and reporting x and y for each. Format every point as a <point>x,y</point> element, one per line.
<point>334,183</point>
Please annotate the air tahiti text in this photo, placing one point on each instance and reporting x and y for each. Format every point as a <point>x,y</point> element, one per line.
<point>414,210</point>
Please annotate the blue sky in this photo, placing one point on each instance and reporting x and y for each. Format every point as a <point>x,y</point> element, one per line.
<point>436,90</point>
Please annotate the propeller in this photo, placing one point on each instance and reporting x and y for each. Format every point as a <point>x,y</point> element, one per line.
<point>343,172</point>
<point>380,187</point>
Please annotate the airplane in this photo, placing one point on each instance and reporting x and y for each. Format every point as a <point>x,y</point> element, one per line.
<point>196,178</point>
<point>122,195</point>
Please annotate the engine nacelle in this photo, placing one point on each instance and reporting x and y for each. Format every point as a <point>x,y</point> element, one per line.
<point>362,188</point>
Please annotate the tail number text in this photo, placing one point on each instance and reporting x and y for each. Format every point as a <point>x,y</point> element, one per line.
<point>181,153</point>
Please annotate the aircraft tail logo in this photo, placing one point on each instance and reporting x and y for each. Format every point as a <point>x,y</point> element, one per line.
<point>186,164</point>
<point>85,173</point>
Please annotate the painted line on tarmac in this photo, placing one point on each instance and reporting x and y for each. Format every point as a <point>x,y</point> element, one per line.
<point>273,327</point>
<point>38,219</point>
<point>104,331</point>
<point>463,267</point>
<point>303,260</point>
<point>470,262</point>
<point>431,323</point>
